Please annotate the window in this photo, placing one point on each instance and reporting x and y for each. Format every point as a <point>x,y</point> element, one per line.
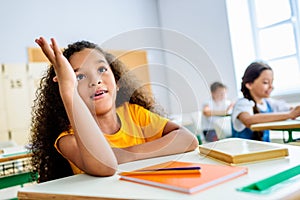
<point>267,30</point>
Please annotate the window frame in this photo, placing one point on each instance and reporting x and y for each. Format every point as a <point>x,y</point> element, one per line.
<point>291,95</point>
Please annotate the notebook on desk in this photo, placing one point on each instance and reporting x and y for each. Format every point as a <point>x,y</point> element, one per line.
<point>238,151</point>
<point>209,176</point>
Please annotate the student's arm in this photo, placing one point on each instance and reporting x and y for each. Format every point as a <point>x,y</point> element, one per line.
<point>248,119</point>
<point>208,112</point>
<point>176,139</point>
<point>88,148</point>
<point>229,108</point>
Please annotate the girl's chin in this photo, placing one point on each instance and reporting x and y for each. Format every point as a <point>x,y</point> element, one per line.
<point>103,109</point>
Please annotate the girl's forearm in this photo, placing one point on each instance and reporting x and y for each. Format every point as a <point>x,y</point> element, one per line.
<point>264,117</point>
<point>177,141</point>
<point>91,142</point>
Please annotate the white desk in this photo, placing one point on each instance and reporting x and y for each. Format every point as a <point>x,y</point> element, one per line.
<point>88,187</point>
<point>286,125</point>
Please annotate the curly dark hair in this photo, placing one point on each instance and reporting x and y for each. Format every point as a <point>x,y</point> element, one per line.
<point>252,72</point>
<point>49,117</point>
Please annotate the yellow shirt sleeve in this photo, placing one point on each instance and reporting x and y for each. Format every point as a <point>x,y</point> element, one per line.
<point>70,132</point>
<point>75,169</point>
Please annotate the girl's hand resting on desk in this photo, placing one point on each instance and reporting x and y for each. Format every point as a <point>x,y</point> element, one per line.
<point>295,112</point>
<point>65,75</point>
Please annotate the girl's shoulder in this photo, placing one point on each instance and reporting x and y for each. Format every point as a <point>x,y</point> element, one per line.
<point>278,105</point>
<point>244,102</point>
<point>274,101</point>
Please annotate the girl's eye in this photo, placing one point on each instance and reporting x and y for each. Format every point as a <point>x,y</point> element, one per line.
<point>102,69</point>
<point>80,77</point>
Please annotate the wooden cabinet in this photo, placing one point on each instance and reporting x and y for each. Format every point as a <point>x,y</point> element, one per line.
<point>136,61</point>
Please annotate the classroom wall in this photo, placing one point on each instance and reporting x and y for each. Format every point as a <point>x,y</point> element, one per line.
<point>187,41</point>
<point>114,24</point>
<point>203,50</point>
<point>68,21</point>
<point>200,25</point>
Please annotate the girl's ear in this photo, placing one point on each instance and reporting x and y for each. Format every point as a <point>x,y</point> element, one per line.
<point>248,85</point>
<point>55,79</point>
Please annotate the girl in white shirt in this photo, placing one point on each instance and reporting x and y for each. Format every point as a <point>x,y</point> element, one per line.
<point>257,106</point>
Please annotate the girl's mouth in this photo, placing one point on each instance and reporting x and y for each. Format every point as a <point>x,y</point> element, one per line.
<point>99,94</point>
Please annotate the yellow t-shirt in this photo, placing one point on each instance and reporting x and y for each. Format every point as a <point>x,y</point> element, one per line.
<point>138,126</point>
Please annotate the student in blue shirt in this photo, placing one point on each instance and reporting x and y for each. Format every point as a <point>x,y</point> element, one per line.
<point>257,106</point>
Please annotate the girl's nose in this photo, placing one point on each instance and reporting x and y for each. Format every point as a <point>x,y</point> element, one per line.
<point>95,83</point>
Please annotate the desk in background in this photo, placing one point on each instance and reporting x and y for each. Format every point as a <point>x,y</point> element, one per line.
<point>15,168</point>
<point>88,187</point>
<point>287,125</point>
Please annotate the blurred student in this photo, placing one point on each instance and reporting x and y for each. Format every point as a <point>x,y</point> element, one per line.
<point>257,106</point>
<point>214,111</point>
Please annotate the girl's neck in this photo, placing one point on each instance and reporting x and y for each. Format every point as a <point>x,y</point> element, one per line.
<point>109,123</point>
<point>258,100</point>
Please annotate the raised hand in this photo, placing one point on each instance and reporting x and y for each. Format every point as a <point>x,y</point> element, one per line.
<point>64,72</point>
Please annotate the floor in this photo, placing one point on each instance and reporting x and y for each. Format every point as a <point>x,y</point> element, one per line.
<point>277,136</point>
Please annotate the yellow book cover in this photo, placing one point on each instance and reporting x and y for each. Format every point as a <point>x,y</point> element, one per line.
<point>238,151</point>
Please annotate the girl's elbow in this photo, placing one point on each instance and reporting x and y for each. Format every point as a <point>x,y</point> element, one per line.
<point>101,169</point>
<point>247,123</point>
<point>104,172</point>
<point>109,172</point>
<point>194,144</point>
<point>191,138</point>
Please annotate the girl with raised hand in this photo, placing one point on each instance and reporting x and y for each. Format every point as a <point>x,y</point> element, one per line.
<point>90,116</point>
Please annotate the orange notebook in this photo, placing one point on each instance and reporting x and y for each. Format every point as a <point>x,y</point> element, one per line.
<point>209,176</point>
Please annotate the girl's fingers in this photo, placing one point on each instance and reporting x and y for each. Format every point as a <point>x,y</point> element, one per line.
<point>55,47</point>
<point>60,59</point>
<point>54,54</point>
<point>48,51</point>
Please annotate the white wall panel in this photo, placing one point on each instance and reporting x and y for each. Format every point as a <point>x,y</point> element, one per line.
<point>3,112</point>
<point>16,99</point>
